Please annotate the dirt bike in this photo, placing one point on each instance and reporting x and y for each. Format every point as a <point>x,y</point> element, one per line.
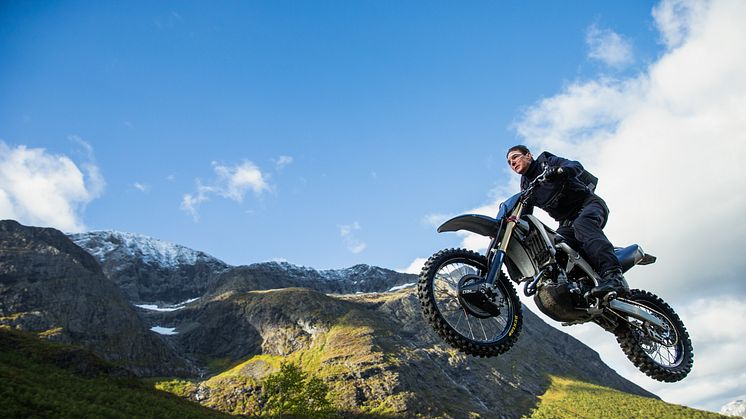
<point>468,300</point>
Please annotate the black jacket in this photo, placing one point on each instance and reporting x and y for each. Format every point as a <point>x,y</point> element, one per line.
<point>563,197</point>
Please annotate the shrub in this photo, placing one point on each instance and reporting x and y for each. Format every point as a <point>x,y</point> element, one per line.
<point>290,391</point>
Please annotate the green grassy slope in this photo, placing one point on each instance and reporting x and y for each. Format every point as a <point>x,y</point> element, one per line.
<point>573,399</point>
<point>42,379</point>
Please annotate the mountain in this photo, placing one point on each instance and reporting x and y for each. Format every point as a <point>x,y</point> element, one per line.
<point>44,379</point>
<point>568,398</point>
<point>40,379</point>
<point>271,275</point>
<point>225,328</point>
<point>376,353</point>
<point>734,408</point>
<point>148,269</point>
<point>52,287</point>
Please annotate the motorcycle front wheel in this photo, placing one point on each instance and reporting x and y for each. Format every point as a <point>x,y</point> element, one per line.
<point>471,328</point>
<point>663,353</point>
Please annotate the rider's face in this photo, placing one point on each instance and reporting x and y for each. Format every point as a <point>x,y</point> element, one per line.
<point>519,162</point>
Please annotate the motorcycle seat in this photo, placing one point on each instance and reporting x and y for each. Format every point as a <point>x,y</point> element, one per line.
<point>629,256</point>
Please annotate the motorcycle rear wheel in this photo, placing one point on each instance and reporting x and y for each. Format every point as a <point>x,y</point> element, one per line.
<point>664,354</point>
<point>468,329</point>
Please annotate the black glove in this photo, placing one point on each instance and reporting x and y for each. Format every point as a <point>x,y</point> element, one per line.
<point>554,172</point>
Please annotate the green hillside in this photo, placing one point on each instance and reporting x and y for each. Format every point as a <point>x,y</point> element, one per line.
<point>573,399</point>
<point>43,379</point>
<point>39,379</point>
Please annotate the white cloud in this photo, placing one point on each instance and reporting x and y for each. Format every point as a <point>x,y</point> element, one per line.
<point>666,145</point>
<point>435,220</point>
<point>44,189</point>
<point>608,47</point>
<point>95,179</point>
<point>415,267</point>
<point>283,161</point>
<point>233,182</point>
<point>675,19</point>
<point>141,187</point>
<point>353,244</point>
<point>237,180</point>
<point>191,202</point>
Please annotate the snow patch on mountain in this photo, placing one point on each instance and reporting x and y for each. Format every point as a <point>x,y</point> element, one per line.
<point>735,408</point>
<point>155,307</point>
<point>164,330</point>
<point>357,271</point>
<point>401,287</point>
<point>107,243</point>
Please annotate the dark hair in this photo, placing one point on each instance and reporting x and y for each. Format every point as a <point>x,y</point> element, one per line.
<point>520,147</point>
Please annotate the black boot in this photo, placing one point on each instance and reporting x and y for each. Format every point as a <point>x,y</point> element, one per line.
<point>612,281</point>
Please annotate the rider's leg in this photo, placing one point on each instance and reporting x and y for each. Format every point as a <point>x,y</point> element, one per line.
<point>600,252</point>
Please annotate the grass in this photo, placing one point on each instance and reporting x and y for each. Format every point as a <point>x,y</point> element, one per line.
<point>567,398</point>
<point>39,379</point>
<point>44,379</point>
<point>340,356</point>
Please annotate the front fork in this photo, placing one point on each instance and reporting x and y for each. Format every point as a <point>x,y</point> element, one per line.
<point>502,249</point>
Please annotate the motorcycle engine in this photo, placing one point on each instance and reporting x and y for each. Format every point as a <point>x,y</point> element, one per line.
<point>556,301</point>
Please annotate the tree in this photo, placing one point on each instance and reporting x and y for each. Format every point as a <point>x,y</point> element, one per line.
<point>291,391</point>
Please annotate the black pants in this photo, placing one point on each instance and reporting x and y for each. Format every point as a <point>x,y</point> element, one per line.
<point>584,232</point>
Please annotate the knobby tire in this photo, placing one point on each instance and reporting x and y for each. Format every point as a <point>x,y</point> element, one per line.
<point>632,340</point>
<point>425,292</point>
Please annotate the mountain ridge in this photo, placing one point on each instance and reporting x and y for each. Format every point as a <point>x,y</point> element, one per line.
<point>370,344</point>
<point>149,270</point>
<point>52,287</point>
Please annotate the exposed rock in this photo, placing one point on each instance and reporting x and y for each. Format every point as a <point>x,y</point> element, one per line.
<point>148,269</point>
<point>271,275</point>
<point>52,287</point>
<point>376,351</point>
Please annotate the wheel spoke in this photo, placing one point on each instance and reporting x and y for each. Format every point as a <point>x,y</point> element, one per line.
<point>445,290</point>
<point>445,285</point>
<point>471,332</point>
<point>461,316</point>
<point>483,331</point>
<point>661,345</point>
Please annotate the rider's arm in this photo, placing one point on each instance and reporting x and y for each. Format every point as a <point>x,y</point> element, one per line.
<point>571,168</point>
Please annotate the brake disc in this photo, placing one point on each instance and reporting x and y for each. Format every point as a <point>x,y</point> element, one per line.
<point>473,297</point>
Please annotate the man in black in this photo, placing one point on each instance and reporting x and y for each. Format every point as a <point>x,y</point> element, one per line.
<point>581,213</point>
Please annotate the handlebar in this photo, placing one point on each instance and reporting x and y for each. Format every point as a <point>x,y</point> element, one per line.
<point>540,179</point>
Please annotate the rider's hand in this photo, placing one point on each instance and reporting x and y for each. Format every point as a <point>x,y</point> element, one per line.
<point>554,172</point>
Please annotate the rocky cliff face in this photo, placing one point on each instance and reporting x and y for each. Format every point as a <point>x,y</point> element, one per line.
<point>359,329</point>
<point>272,275</point>
<point>376,353</point>
<point>52,287</point>
<point>148,269</point>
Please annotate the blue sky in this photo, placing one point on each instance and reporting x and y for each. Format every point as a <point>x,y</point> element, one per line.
<point>389,111</point>
<point>333,133</point>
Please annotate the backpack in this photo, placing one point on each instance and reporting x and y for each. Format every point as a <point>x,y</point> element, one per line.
<point>586,177</point>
